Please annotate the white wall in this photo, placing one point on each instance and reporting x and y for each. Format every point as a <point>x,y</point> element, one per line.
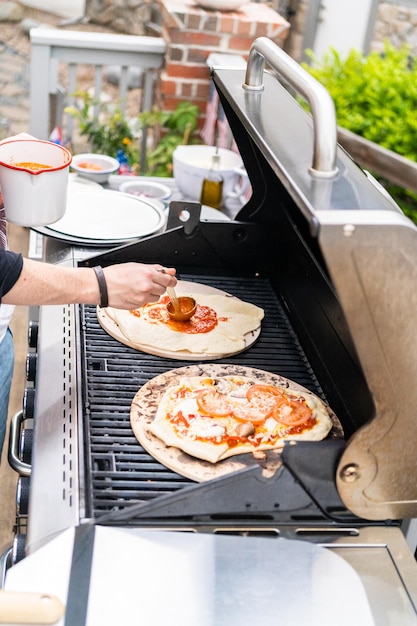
<point>342,25</point>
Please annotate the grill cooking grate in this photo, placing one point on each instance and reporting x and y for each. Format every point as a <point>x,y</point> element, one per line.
<point>119,471</point>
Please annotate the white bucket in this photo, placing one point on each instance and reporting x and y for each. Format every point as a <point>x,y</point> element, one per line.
<point>34,181</point>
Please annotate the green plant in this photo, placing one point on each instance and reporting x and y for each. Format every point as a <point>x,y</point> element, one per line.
<point>375,96</point>
<point>169,131</point>
<point>110,132</point>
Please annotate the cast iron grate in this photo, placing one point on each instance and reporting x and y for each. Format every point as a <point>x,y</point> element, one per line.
<point>119,471</point>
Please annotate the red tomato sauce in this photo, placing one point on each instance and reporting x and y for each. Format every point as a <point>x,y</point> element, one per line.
<point>308,425</point>
<point>203,321</point>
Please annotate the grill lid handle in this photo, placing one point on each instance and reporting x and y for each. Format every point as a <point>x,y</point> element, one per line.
<point>319,99</point>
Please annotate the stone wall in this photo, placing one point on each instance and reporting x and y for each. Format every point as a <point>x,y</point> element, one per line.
<point>131,17</point>
<point>295,11</point>
<point>396,21</point>
<point>397,24</point>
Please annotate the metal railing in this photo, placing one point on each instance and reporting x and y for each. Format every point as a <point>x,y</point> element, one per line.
<point>53,48</point>
<point>387,164</point>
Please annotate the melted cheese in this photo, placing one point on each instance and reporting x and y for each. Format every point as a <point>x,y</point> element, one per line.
<point>206,428</point>
<point>188,407</point>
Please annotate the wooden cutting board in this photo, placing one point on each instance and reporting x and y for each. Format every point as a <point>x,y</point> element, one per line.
<point>145,404</point>
<point>184,288</point>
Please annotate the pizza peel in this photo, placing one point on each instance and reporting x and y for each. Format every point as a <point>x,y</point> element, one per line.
<point>145,404</point>
<point>184,288</point>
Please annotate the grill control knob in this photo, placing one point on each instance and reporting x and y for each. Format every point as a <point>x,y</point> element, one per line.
<point>33,331</point>
<point>31,360</point>
<point>28,404</point>
<point>25,445</point>
<point>18,551</point>
<point>22,496</point>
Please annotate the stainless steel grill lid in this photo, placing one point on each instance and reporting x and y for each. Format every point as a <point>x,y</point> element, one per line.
<point>369,249</point>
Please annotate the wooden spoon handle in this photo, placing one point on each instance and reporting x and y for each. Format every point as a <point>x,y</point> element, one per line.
<point>174,299</point>
<point>29,608</point>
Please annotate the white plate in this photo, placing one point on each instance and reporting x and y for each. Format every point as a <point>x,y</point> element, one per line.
<point>109,215</point>
<point>77,183</point>
<point>208,214</point>
<point>212,215</point>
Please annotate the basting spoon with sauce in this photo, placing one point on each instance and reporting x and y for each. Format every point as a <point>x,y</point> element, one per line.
<point>180,308</point>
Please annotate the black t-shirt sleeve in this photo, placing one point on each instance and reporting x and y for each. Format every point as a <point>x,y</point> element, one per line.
<point>11,265</point>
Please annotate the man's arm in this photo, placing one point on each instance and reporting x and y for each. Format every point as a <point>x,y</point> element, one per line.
<point>129,285</point>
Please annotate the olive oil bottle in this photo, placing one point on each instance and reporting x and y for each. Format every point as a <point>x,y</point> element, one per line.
<point>212,188</point>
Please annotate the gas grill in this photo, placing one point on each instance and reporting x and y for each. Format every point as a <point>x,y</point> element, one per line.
<point>331,259</point>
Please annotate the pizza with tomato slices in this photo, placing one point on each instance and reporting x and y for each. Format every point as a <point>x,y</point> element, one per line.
<point>213,418</point>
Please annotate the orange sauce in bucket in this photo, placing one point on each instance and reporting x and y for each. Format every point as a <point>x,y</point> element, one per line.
<point>32,166</point>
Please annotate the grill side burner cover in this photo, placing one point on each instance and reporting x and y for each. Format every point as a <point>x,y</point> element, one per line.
<point>55,500</point>
<point>205,579</point>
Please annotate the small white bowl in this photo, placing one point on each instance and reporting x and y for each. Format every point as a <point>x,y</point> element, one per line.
<point>97,167</point>
<point>145,189</point>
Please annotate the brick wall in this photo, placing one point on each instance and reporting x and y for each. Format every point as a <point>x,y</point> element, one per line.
<point>192,34</point>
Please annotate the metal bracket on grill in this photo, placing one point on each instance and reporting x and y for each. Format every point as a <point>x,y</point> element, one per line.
<point>286,496</point>
<point>186,214</point>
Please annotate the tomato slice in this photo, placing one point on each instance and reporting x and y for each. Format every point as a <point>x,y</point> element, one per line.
<point>257,391</point>
<point>292,412</point>
<point>213,403</point>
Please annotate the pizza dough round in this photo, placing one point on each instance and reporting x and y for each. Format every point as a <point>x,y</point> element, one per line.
<point>236,319</point>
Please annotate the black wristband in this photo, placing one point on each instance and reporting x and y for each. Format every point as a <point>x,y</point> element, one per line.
<point>102,285</point>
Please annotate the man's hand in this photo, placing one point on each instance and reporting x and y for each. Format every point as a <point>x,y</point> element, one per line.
<point>131,285</point>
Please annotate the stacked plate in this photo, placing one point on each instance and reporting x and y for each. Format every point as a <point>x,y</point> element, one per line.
<point>97,216</point>
<point>101,217</point>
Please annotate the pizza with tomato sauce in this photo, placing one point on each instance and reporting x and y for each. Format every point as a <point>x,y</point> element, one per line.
<point>222,324</point>
<point>213,418</point>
